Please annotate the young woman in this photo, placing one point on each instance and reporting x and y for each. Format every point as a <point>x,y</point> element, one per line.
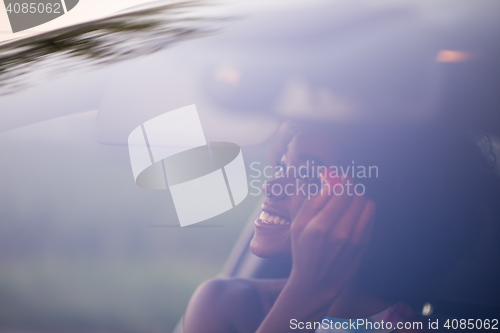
<point>396,207</point>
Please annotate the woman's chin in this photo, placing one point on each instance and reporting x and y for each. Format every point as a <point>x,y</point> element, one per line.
<point>259,250</point>
<point>266,250</point>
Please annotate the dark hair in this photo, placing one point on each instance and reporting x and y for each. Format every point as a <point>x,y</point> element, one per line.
<point>435,182</point>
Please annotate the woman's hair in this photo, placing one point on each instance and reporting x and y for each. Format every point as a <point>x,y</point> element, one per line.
<point>433,185</point>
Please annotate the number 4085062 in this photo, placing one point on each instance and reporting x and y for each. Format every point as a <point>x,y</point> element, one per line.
<point>33,8</point>
<point>471,324</point>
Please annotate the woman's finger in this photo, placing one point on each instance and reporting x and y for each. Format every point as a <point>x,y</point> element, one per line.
<point>333,211</point>
<point>312,206</point>
<point>364,226</point>
<point>309,209</point>
<point>346,225</point>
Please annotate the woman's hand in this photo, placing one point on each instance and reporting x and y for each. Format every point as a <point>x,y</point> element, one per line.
<point>329,236</point>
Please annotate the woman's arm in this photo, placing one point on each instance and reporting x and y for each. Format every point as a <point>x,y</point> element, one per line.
<point>224,305</point>
<point>207,309</point>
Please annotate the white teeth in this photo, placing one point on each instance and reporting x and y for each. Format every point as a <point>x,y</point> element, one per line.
<point>264,216</point>
<point>272,219</point>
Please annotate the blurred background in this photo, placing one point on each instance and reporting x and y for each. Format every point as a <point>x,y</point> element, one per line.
<point>84,249</point>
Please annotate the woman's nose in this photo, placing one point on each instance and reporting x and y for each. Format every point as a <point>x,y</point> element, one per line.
<point>276,188</point>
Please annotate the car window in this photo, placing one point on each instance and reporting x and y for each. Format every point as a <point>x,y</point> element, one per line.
<point>97,113</point>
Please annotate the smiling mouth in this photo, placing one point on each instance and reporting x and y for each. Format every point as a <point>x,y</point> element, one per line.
<point>269,219</point>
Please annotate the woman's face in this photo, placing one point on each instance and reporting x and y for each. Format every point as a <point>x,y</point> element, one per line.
<point>296,180</point>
